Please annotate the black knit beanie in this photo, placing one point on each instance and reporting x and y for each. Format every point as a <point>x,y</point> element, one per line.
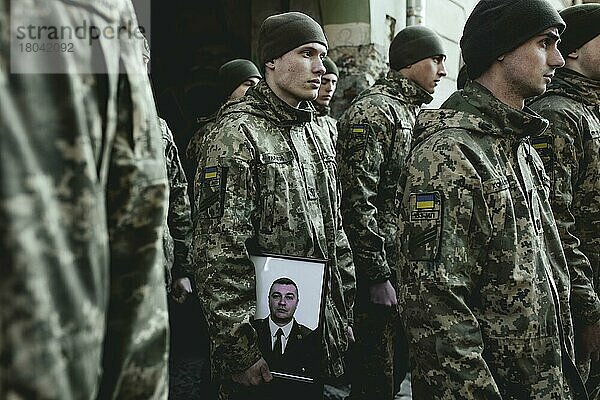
<point>412,44</point>
<point>330,67</point>
<point>496,27</point>
<point>583,24</point>
<point>235,72</point>
<point>284,32</point>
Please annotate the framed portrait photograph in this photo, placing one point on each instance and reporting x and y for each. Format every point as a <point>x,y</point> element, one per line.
<point>289,315</point>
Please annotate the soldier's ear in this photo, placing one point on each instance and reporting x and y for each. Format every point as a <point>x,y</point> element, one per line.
<point>574,55</point>
<point>270,64</point>
<point>500,58</point>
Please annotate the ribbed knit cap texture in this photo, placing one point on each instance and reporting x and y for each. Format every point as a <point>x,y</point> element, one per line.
<point>281,33</point>
<point>496,27</point>
<point>412,44</point>
<point>583,24</point>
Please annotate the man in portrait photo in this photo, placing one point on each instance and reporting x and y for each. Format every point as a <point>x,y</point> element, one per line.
<point>286,345</point>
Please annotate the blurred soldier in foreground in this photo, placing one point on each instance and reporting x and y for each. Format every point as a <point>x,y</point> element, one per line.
<point>375,134</point>
<point>321,103</point>
<point>570,150</point>
<point>82,204</point>
<point>264,186</point>
<point>235,78</point>
<point>484,290</point>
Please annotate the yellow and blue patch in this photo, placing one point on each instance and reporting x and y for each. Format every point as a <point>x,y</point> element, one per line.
<point>543,146</point>
<point>425,201</point>
<point>357,142</point>
<point>210,203</point>
<point>358,129</point>
<point>423,232</point>
<point>211,172</point>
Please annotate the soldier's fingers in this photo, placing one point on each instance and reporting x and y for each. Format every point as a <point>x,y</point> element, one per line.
<point>256,378</point>
<point>266,373</point>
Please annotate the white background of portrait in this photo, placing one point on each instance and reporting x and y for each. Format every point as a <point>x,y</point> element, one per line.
<point>308,276</point>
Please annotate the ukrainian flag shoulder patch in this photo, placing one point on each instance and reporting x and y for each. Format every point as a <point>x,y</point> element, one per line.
<point>358,129</point>
<point>425,201</point>
<point>423,231</point>
<point>211,172</point>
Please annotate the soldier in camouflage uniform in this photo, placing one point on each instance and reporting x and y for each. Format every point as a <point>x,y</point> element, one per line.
<point>235,77</point>
<point>178,225</point>
<point>570,150</point>
<point>375,136</point>
<point>82,204</point>
<point>321,103</point>
<point>484,288</point>
<point>265,184</point>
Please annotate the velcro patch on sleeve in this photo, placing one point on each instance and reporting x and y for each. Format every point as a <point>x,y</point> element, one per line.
<point>357,142</point>
<point>212,192</point>
<point>544,147</point>
<point>425,227</point>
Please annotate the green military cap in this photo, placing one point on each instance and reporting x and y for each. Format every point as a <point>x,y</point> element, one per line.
<point>235,72</point>
<point>412,44</point>
<point>583,24</point>
<point>330,67</point>
<point>281,33</point>
<point>496,27</point>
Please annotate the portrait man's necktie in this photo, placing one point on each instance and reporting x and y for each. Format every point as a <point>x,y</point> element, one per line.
<point>278,346</point>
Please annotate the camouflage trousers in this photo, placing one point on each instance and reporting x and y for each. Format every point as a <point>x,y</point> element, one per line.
<point>379,356</point>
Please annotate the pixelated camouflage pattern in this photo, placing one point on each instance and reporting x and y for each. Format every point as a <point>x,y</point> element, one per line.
<point>484,286</point>
<point>370,166</point>
<point>192,152</point>
<point>82,204</point>
<point>572,160</point>
<point>326,121</point>
<point>265,183</point>
<point>178,226</point>
<point>570,150</point>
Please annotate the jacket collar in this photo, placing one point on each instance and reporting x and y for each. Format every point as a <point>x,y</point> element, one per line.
<point>403,87</point>
<point>574,85</point>
<point>506,120</point>
<point>278,110</point>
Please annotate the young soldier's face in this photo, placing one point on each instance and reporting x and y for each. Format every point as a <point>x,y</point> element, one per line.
<point>529,68</point>
<point>243,88</point>
<point>297,73</point>
<point>283,301</point>
<point>327,89</point>
<point>589,58</point>
<point>427,73</point>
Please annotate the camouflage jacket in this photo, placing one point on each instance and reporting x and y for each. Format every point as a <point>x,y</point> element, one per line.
<point>178,226</point>
<point>192,151</point>
<point>570,150</point>
<point>484,286</point>
<point>375,135</point>
<point>265,183</point>
<point>82,204</point>
<point>326,122</point>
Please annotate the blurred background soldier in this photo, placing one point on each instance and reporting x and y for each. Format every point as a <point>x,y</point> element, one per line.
<point>485,287</point>
<point>188,339</point>
<point>264,186</point>
<point>570,150</point>
<point>235,78</point>
<point>82,206</point>
<point>321,103</point>
<point>375,135</point>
